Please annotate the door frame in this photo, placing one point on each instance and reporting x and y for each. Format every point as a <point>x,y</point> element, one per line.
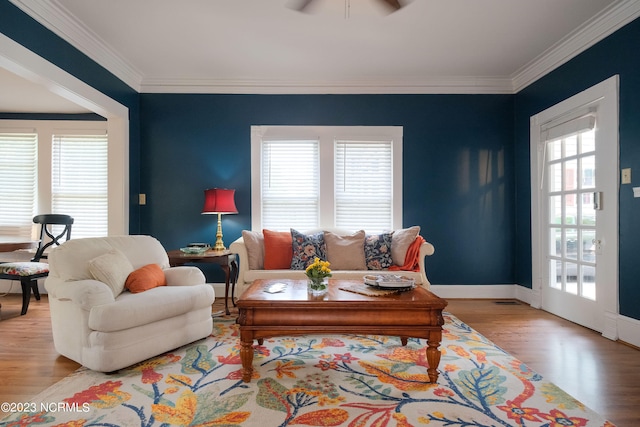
<point>605,94</point>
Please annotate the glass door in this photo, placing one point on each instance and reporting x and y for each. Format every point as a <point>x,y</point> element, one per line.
<point>572,217</point>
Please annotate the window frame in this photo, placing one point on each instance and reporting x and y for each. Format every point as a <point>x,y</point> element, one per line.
<point>327,135</point>
<point>45,131</point>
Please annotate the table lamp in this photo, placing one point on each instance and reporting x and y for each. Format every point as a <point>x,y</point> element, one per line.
<point>219,201</point>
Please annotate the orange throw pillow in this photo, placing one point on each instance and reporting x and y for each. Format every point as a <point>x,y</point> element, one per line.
<point>145,278</point>
<point>278,250</point>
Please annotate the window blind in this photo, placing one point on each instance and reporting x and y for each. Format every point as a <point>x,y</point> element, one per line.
<point>363,185</point>
<point>290,184</point>
<point>565,126</point>
<point>80,183</point>
<point>18,183</point>
<point>575,122</point>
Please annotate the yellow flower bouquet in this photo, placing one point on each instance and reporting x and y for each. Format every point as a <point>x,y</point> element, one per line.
<point>317,273</point>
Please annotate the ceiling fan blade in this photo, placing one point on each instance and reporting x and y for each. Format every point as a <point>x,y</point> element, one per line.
<point>299,5</point>
<point>393,4</point>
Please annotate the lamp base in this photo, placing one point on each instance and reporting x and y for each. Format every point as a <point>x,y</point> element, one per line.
<point>219,246</point>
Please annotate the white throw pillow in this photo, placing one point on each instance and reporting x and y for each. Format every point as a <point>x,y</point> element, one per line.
<point>254,242</point>
<point>400,242</point>
<point>345,252</point>
<point>111,268</point>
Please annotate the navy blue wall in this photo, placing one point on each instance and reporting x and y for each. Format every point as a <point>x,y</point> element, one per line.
<point>466,157</point>
<point>29,33</point>
<point>458,178</point>
<point>617,54</point>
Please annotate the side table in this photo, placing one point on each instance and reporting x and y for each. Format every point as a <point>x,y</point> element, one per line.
<point>225,259</point>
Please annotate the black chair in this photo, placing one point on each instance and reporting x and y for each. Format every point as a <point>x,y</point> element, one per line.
<point>29,272</point>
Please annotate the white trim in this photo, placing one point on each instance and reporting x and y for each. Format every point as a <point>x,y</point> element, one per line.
<point>60,21</point>
<point>603,96</point>
<point>24,63</point>
<point>591,32</point>
<point>56,18</point>
<point>327,135</point>
<point>424,85</point>
<point>482,292</point>
<point>629,330</point>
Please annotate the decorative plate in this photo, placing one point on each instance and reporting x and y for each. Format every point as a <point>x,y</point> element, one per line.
<point>193,250</point>
<point>389,281</point>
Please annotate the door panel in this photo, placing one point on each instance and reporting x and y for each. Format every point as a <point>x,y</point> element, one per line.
<point>574,152</point>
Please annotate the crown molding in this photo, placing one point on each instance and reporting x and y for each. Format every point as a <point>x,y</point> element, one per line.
<point>444,85</point>
<point>591,32</point>
<point>56,18</point>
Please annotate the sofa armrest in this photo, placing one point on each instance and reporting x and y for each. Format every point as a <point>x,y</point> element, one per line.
<point>426,249</point>
<point>84,293</point>
<point>238,247</point>
<point>184,275</point>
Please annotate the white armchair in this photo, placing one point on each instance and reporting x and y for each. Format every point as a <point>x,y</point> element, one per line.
<point>106,330</point>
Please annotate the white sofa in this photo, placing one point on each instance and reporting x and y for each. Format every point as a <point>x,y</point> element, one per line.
<point>106,330</point>
<point>247,272</point>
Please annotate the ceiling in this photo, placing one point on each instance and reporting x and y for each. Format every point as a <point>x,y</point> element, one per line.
<point>337,46</point>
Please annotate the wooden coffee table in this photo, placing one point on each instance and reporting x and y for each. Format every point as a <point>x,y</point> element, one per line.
<point>416,313</point>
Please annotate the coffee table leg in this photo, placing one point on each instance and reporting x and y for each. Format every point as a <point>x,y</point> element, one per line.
<point>246,356</point>
<point>433,355</point>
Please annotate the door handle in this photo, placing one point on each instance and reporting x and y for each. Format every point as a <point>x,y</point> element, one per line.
<point>597,200</point>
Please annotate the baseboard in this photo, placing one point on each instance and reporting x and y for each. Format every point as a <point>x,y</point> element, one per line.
<point>445,291</point>
<point>629,330</point>
<point>483,292</point>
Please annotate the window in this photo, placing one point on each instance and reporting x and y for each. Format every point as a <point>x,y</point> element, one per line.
<point>18,182</point>
<point>53,167</point>
<point>79,182</point>
<point>312,177</point>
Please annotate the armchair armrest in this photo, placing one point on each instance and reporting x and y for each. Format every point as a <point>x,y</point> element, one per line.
<point>184,275</point>
<point>84,293</point>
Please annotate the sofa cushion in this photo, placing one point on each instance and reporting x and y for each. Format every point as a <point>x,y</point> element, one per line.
<point>131,310</point>
<point>112,268</point>
<point>345,252</point>
<point>400,242</point>
<point>254,242</point>
<point>306,247</point>
<point>144,278</point>
<point>377,251</point>
<point>277,249</point>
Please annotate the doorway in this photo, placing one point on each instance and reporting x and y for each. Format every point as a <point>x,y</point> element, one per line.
<point>574,171</point>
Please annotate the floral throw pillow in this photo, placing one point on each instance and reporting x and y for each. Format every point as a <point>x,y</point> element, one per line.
<point>377,251</point>
<point>305,248</point>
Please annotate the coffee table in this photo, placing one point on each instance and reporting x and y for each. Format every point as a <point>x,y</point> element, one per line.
<point>416,313</point>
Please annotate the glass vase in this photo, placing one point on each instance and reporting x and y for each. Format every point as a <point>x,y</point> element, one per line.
<point>317,286</point>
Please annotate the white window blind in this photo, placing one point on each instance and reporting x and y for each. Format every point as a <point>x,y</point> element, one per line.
<point>79,182</point>
<point>363,185</point>
<point>578,122</point>
<point>290,184</point>
<point>324,177</point>
<point>18,183</point>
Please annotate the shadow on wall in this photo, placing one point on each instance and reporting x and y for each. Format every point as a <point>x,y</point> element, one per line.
<point>481,175</point>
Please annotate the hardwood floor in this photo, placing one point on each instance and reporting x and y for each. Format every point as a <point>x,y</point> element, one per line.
<point>602,374</point>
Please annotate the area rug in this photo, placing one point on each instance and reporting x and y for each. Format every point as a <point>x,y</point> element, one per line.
<point>333,380</point>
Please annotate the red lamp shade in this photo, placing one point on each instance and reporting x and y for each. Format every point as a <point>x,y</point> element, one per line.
<point>219,200</point>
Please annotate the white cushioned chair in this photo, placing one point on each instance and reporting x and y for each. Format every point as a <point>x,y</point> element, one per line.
<point>104,327</point>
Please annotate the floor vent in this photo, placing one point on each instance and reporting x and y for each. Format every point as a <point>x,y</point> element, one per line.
<point>507,302</point>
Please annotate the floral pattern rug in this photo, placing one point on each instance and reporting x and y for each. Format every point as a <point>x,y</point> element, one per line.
<point>337,380</point>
